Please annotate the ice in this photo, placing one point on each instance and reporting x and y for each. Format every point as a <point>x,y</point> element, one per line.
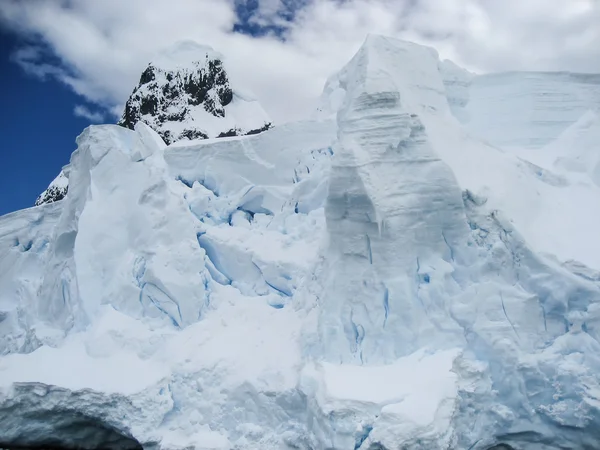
<point>25,238</point>
<point>527,109</point>
<point>375,278</point>
<point>574,152</point>
<point>394,210</point>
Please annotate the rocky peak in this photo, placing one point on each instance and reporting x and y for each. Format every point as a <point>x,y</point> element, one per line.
<point>185,93</point>
<point>55,191</point>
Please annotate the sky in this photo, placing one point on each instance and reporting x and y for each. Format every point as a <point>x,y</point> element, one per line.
<point>65,64</point>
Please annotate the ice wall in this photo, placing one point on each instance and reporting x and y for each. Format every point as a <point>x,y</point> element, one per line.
<point>394,210</point>
<point>411,263</point>
<point>528,109</point>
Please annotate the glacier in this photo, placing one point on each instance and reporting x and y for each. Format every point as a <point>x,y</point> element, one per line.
<point>520,109</point>
<point>379,277</point>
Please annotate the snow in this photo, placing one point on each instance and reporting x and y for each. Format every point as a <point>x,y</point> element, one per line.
<point>73,367</point>
<point>55,191</point>
<point>574,152</point>
<point>377,277</point>
<point>185,93</point>
<point>184,55</point>
<point>527,109</point>
<point>413,384</point>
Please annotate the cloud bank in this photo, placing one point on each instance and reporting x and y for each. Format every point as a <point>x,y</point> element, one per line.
<point>283,50</point>
<point>85,113</point>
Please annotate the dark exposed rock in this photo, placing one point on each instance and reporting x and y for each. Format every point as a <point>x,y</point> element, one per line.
<point>193,134</point>
<point>208,86</point>
<point>147,76</point>
<point>260,130</point>
<point>231,133</point>
<point>165,96</point>
<point>166,136</point>
<point>51,195</point>
<point>237,132</point>
<point>149,105</point>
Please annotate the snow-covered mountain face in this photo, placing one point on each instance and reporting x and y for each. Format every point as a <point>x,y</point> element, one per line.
<point>375,279</point>
<point>523,110</point>
<point>185,93</point>
<point>57,190</point>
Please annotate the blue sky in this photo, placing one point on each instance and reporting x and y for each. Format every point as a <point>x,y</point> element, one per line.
<point>37,127</point>
<point>60,56</point>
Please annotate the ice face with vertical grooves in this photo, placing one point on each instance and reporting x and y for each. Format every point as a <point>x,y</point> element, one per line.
<point>411,265</point>
<point>392,206</point>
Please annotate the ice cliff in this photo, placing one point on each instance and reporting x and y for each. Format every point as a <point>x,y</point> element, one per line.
<point>374,279</point>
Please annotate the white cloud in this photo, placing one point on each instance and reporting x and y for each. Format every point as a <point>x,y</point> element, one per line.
<point>102,46</point>
<point>86,113</point>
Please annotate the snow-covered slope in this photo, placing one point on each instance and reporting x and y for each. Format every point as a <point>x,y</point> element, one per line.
<point>376,279</point>
<point>527,109</point>
<point>575,153</point>
<point>56,190</point>
<point>185,93</point>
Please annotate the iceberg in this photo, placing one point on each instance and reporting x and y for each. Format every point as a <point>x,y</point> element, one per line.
<point>375,278</point>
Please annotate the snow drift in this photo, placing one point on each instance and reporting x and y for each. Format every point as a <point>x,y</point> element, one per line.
<point>373,279</point>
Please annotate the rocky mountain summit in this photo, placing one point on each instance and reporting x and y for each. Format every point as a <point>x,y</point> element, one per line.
<point>55,191</point>
<point>184,93</point>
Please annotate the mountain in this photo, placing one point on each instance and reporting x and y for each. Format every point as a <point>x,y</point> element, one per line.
<point>375,278</point>
<point>184,93</point>
<point>57,190</point>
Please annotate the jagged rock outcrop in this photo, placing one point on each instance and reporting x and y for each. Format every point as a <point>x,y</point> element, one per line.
<point>57,190</point>
<point>185,93</point>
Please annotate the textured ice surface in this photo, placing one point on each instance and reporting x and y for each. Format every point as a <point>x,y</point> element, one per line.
<point>526,109</point>
<point>376,278</point>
